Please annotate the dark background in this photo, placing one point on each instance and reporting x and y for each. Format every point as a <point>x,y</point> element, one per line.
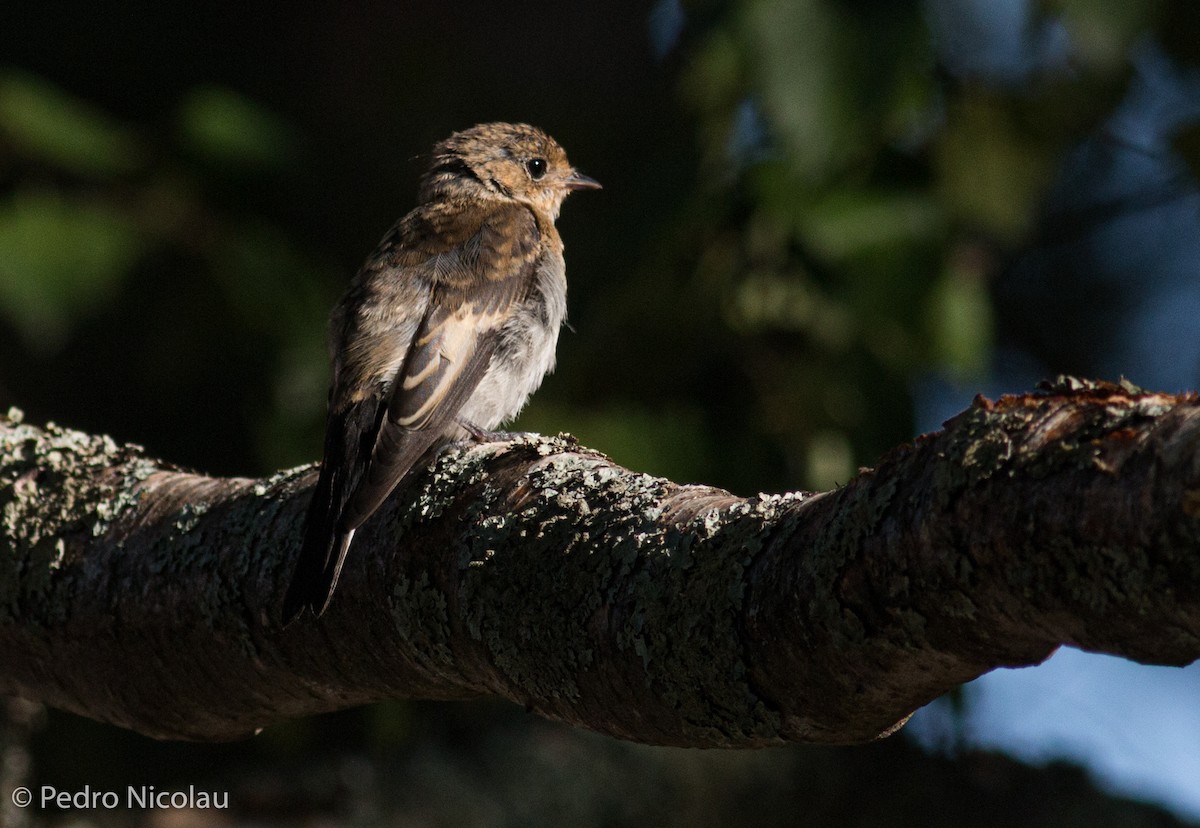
<point>825,225</point>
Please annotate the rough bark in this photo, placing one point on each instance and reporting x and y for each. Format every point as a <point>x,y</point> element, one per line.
<point>539,571</point>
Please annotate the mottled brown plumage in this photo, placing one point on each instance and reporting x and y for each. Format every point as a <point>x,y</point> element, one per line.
<point>448,328</point>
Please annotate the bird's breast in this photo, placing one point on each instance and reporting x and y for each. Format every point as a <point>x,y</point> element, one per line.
<point>525,352</point>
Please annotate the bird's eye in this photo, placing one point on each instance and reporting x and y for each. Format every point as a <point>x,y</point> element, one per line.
<point>536,167</point>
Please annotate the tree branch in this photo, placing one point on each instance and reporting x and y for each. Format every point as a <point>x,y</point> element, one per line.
<point>539,571</point>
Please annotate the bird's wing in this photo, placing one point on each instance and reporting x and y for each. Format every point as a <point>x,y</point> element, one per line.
<point>456,272</point>
<point>372,444</point>
<point>475,286</point>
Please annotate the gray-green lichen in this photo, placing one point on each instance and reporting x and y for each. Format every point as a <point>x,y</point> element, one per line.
<point>1038,441</point>
<point>578,592</point>
<point>689,598</point>
<point>543,592</point>
<point>420,618</point>
<point>542,551</point>
<point>52,497</point>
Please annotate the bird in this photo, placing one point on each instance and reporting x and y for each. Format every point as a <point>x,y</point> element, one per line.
<point>443,334</point>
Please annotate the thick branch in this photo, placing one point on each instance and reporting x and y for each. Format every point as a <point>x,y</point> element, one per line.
<point>539,571</point>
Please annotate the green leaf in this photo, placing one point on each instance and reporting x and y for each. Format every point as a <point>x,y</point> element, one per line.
<point>993,169</point>
<point>43,122</point>
<point>799,53</point>
<point>961,318</point>
<point>829,460</point>
<point>227,128</point>
<point>60,257</point>
<point>849,222</point>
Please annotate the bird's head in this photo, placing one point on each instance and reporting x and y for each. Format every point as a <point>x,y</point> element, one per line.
<point>504,161</point>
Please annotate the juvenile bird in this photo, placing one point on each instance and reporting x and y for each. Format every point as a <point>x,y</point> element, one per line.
<point>444,333</point>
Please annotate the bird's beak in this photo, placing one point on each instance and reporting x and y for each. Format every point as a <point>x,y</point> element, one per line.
<point>578,181</point>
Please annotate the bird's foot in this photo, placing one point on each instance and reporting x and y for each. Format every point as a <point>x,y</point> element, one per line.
<point>483,435</point>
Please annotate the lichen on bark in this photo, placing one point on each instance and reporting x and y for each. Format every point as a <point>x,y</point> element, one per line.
<point>537,570</point>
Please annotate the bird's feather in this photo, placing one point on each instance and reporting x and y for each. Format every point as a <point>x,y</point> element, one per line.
<point>463,269</point>
<point>349,438</point>
<point>445,363</point>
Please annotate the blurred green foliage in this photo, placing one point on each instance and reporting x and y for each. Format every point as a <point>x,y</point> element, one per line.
<point>60,256</point>
<point>42,122</point>
<point>232,130</point>
<point>851,206</point>
<point>859,203</point>
<point>91,204</point>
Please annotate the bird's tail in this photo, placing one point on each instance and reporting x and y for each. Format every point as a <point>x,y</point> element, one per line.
<point>316,575</point>
<point>349,436</point>
<point>321,557</point>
